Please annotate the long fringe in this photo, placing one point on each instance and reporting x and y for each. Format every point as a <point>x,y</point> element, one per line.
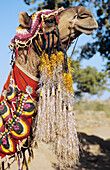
<point>56,121</point>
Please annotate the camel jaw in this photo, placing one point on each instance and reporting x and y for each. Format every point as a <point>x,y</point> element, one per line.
<point>85,30</point>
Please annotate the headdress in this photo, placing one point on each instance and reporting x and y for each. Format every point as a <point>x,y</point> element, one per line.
<point>25,36</point>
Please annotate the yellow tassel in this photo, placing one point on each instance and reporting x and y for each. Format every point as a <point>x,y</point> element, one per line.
<point>53,91</point>
<point>36,145</point>
<point>17,164</point>
<point>41,92</point>
<point>38,45</point>
<point>58,87</point>
<point>24,165</point>
<point>29,160</point>
<point>32,154</point>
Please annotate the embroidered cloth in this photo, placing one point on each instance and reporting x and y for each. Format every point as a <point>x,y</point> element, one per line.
<point>17,106</point>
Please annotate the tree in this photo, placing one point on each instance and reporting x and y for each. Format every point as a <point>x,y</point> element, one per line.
<point>102,36</point>
<point>89,79</point>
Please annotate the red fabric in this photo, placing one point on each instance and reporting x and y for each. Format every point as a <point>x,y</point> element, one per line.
<point>22,81</point>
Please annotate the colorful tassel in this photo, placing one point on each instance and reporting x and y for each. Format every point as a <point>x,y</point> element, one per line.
<point>32,154</point>
<point>57,20</point>
<point>16,53</point>
<point>44,35</point>
<point>29,160</point>
<point>41,25</point>
<point>55,110</point>
<point>18,161</point>
<point>29,49</point>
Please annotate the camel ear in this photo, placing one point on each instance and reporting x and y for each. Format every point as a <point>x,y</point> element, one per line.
<point>24,20</point>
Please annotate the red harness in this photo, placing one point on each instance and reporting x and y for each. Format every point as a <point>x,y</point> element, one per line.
<point>18,104</point>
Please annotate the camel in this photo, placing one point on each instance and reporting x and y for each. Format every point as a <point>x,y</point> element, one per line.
<point>37,99</point>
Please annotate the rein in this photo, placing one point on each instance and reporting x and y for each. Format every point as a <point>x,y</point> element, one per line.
<point>59,42</point>
<point>55,32</point>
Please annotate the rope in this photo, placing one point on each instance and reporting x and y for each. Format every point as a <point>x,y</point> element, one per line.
<point>38,45</point>
<point>49,45</point>
<point>53,41</point>
<point>74,47</point>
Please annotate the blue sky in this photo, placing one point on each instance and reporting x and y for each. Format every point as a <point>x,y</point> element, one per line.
<point>9,10</point>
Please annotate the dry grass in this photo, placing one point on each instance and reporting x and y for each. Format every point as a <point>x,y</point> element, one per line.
<point>96,106</point>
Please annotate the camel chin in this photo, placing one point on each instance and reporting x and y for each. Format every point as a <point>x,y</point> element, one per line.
<point>84,30</point>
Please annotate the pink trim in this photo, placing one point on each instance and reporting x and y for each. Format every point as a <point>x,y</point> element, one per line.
<point>28,35</point>
<point>16,53</point>
<point>29,49</point>
<point>57,20</point>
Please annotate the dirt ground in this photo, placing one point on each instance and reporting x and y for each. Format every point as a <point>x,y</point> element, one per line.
<point>94,136</point>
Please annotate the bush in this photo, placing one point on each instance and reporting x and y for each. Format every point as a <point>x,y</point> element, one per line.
<point>92,105</point>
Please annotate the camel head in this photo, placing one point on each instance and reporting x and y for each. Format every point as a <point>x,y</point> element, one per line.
<point>72,22</point>
<point>75,21</point>
<point>36,32</point>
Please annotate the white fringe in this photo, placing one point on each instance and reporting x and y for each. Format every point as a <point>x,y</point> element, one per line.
<point>56,121</point>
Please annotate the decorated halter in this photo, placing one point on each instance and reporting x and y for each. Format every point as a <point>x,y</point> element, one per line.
<point>28,113</point>
<point>24,36</point>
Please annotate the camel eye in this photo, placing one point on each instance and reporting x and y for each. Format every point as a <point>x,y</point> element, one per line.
<point>83,16</point>
<point>49,22</point>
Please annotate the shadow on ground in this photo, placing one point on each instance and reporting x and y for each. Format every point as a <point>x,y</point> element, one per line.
<point>94,153</point>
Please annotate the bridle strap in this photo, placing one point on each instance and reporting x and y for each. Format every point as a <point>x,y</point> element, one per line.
<point>60,44</point>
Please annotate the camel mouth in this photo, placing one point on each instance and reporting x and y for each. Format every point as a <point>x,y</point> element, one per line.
<point>86,30</point>
<point>72,37</point>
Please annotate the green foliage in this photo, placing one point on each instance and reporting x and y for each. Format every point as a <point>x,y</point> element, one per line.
<point>88,80</point>
<point>51,4</point>
<point>28,2</point>
<point>101,42</point>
